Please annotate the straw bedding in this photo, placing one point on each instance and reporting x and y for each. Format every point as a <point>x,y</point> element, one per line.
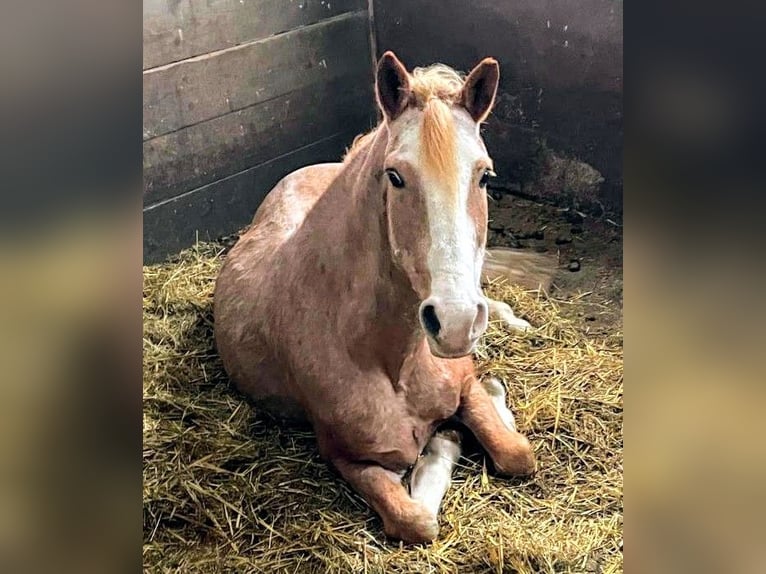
<point>227,490</point>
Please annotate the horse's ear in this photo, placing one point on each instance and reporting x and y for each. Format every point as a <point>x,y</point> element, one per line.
<point>392,85</point>
<point>480,88</point>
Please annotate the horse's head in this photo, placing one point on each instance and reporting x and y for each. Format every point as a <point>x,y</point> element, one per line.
<point>436,171</point>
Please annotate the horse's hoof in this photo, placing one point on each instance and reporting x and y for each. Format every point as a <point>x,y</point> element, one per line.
<point>519,325</point>
<point>415,526</point>
<point>519,461</point>
<point>504,313</point>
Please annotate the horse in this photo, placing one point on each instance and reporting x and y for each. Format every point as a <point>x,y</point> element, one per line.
<point>354,300</point>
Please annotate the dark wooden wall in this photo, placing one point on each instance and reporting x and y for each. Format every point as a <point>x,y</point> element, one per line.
<point>236,95</point>
<point>561,72</point>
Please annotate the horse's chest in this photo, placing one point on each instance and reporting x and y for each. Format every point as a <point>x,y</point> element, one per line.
<point>391,421</point>
<point>431,394</point>
<point>397,430</point>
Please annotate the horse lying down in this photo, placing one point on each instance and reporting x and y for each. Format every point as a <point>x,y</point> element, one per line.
<point>354,300</point>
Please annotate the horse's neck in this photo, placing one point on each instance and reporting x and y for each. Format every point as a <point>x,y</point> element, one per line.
<point>365,222</point>
<point>379,307</point>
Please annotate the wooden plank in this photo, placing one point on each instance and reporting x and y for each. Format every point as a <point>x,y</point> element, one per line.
<point>199,89</point>
<point>227,205</point>
<point>191,157</point>
<point>178,29</point>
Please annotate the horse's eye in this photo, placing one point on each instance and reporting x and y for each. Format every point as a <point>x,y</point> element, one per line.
<point>485,177</point>
<point>395,179</point>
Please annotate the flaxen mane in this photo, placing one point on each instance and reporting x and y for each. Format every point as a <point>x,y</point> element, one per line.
<point>437,81</point>
<point>434,90</point>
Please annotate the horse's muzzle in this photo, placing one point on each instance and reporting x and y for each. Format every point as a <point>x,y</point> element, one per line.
<point>453,326</point>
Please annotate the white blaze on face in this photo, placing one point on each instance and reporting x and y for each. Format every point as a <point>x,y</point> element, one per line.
<point>454,258</point>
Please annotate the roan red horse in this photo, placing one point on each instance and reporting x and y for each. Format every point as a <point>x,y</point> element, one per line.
<point>354,300</point>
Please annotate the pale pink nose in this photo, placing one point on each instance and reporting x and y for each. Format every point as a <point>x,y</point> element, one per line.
<point>453,326</point>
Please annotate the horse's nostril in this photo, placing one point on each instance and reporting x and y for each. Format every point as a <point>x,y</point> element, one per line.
<point>481,314</point>
<point>480,322</point>
<point>430,320</point>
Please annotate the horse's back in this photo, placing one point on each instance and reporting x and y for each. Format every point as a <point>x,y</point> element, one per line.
<point>286,206</point>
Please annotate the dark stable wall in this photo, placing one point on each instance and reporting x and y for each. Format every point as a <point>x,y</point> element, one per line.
<point>237,95</point>
<point>560,69</point>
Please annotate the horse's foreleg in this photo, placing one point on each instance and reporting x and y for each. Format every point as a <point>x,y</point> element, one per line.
<point>495,429</point>
<point>432,473</point>
<point>502,312</point>
<point>403,518</point>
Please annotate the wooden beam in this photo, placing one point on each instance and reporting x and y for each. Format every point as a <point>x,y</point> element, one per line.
<point>202,153</point>
<point>209,86</point>
<point>178,29</point>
